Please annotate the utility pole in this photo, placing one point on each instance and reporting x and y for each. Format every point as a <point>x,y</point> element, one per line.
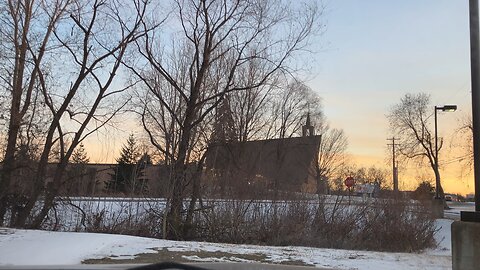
<point>475,81</point>
<point>394,166</point>
<point>475,70</point>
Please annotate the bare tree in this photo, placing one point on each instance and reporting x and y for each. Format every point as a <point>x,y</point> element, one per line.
<point>410,122</point>
<point>289,110</point>
<point>361,175</point>
<point>331,157</point>
<point>248,109</point>
<point>216,40</point>
<point>27,27</point>
<point>464,140</point>
<point>370,175</point>
<point>279,110</point>
<point>89,45</point>
<point>288,114</point>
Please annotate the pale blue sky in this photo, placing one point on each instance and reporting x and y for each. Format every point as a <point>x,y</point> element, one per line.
<point>374,52</point>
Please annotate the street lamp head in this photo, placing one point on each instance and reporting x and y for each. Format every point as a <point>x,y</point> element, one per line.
<point>447,108</point>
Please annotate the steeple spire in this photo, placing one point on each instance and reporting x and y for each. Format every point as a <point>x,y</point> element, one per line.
<point>308,120</point>
<point>307,129</point>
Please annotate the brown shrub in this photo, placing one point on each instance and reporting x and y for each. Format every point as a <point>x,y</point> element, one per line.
<point>382,225</point>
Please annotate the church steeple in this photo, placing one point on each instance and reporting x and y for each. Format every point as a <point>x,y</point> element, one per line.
<point>307,129</point>
<point>224,130</point>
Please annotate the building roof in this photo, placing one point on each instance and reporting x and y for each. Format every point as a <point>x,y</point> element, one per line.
<point>288,160</point>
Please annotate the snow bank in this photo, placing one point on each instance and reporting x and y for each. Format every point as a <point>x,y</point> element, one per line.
<point>443,238</point>
<point>31,247</point>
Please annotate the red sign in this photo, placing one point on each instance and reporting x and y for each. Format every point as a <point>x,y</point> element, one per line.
<point>349,182</point>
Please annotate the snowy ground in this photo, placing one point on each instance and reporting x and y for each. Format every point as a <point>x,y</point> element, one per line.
<point>31,247</point>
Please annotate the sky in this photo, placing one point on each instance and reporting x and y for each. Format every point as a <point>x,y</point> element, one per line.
<point>373,53</point>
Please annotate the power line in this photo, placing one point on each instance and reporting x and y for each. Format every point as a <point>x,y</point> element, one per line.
<point>457,159</point>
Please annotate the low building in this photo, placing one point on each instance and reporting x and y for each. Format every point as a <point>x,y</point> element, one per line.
<point>278,165</point>
<point>92,180</point>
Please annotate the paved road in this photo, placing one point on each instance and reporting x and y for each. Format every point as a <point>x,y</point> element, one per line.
<point>456,207</point>
<point>212,266</point>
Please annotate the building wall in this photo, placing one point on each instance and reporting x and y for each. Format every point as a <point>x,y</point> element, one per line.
<point>288,164</point>
<point>91,179</point>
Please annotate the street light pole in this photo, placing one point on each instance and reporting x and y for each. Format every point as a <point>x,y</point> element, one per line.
<point>444,108</point>
<point>437,181</point>
<point>475,70</point>
<point>474,216</point>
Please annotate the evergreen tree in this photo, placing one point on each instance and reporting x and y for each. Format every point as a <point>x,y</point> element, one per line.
<point>424,191</point>
<point>127,175</point>
<point>224,127</point>
<point>79,155</point>
<point>78,183</point>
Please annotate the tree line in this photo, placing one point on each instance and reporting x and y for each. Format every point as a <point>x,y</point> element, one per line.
<point>69,67</point>
<point>189,71</point>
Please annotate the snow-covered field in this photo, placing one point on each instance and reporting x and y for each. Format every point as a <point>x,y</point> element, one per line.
<point>82,213</point>
<point>32,247</point>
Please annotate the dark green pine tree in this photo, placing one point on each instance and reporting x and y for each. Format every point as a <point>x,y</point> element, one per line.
<point>224,126</point>
<point>79,155</point>
<point>78,183</point>
<point>124,178</point>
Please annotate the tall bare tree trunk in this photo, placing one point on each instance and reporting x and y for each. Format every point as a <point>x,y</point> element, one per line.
<point>194,197</point>
<point>174,215</point>
<point>218,41</point>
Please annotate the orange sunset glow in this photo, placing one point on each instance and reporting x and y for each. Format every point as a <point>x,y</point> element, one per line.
<point>361,74</point>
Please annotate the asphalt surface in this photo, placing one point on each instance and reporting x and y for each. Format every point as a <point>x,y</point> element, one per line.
<point>456,207</point>
<point>206,266</point>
